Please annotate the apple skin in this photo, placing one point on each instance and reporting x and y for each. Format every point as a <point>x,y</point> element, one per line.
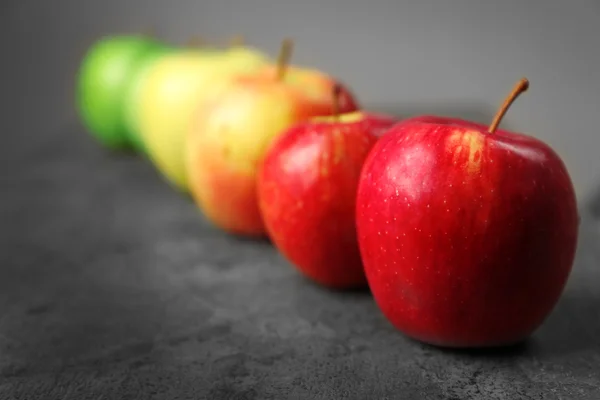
<point>307,194</point>
<point>169,94</point>
<point>467,237</point>
<point>137,98</point>
<point>102,84</point>
<point>134,93</point>
<point>232,132</point>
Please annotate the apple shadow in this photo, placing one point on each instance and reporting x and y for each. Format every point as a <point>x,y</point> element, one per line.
<point>475,111</point>
<point>574,324</point>
<point>305,281</point>
<point>498,352</point>
<point>357,291</point>
<point>354,291</point>
<point>259,240</point>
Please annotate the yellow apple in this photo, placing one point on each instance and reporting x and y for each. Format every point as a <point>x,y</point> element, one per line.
<point>132,101</point>
<point>168,95</point>
<point>232,131</point>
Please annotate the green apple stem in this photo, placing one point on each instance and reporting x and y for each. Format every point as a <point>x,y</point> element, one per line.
<point>285,54</point>
<point>519,88</point>
<point>337,90</point>
<point>237,41</point>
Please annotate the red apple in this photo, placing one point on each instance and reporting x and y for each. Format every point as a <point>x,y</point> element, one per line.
<point>307,194</point>
<point>467,233</point>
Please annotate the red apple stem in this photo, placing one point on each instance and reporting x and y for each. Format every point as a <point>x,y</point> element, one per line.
<point>519,88</point>
<point>336,92</point>
<point>237,41</point>
<point>283,60</point>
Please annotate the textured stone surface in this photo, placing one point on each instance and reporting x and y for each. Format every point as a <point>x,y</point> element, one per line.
<point>113,286</point>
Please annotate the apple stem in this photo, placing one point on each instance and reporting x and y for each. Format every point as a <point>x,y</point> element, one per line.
<point>285,53</point>
<point>237,40</point>
<point>519,88</point>
<point>337,89</point>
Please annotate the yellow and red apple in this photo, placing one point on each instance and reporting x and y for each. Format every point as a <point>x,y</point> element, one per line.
<point>231,133</point>
<point>168,95</point>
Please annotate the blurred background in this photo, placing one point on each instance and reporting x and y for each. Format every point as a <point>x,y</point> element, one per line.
<point>404,57</point>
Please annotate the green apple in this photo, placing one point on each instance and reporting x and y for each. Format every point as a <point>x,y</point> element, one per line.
<point>169,94</point>
<point>103,81</point>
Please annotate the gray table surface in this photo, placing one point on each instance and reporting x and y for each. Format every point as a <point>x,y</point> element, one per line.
<point>112,285</point>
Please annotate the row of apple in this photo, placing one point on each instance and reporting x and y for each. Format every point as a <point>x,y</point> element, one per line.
<point>464,233</point>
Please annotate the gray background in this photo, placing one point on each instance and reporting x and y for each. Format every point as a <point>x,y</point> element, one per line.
<point>456,57</point>
<point>113,286</point>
